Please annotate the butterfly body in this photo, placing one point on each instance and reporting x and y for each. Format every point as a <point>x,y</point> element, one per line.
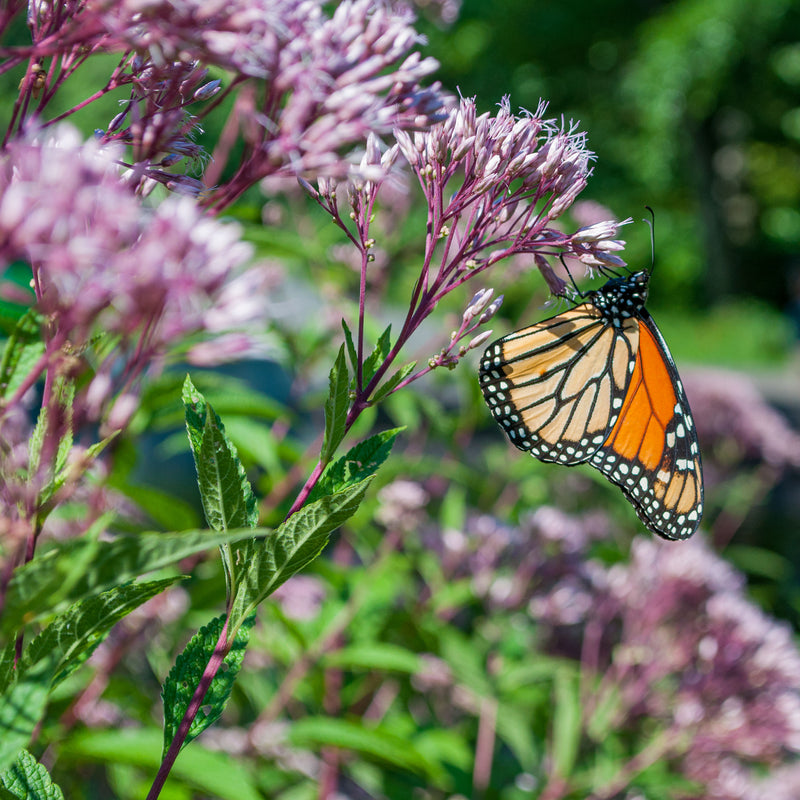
<point>598,385</point>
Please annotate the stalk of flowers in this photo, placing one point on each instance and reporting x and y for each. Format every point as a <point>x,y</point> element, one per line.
<point>494,186</point>
<point>309,87</point>
<point>117,287</point>
<point>320,84</point>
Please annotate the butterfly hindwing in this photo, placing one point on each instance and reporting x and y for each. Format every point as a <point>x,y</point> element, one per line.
<point>652,453</point>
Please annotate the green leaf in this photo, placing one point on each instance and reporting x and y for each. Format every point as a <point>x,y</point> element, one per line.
<point>228,499</point>
<point>7,662</point>
<point>374,655</point>
<point>63,398</point>
<point>27,779</point>
<point>566,722</point>
<point>22,705</point>
<point>23,349</point>
<point>388,386</point>
<point>378,355</point>
<point>298,541</point>
<point>210,773</point>
<point>75,634</point>
<point>185,676</point>
<point>75,569</point>
<point>336,407</point>
<point>358,463</point>
<point>514,728</point>
<point>351,348</point>
<point>372,741</point>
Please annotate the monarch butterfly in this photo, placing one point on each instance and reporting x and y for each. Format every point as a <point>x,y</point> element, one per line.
<point>598,385</point>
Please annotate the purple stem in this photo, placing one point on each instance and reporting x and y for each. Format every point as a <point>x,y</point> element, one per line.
<point>214,663</point>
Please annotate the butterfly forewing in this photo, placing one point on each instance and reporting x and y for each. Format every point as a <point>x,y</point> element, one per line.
<point>556,387</point>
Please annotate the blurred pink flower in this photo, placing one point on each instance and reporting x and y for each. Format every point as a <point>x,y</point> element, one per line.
<point>734,420</point>
<point>101,260</point>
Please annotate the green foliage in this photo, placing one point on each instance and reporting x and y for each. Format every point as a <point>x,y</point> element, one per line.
<point>21,708</point>
<point>336,407</point>
<point>185,676</point>
<point>207,772</point>
<point>369,741</point>
<point>377,356</point>
<point>73,636</point>
<point>74,570</point>
<point>26,779</point>
<point>358,464</point>
<point>23,348</point>
<point>227,498</point>
<point>294,544</point>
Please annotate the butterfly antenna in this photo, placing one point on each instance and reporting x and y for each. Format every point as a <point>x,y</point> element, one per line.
<point>572,280</point>
<point>652,223</point>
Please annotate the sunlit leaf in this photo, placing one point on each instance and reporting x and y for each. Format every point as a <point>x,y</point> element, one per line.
<point>185,676</point>
<point>27,779</point>
<point>336,407</point>
<point>291,547</point>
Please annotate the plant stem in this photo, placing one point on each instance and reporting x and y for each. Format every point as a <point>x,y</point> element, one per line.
<point>214,663</point>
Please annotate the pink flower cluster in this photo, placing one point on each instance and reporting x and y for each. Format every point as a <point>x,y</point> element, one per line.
<point>735,419</point>
<point>497,182</point>
<point>674,642</point>
<point>310,86</point>
<point>101,261</point>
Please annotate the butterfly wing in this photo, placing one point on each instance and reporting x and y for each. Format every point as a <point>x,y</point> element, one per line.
<point>557,387</point>
<point>652,452</point>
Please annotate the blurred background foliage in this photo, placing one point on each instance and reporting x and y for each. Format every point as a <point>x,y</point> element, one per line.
<point>418,667</point>
<point>691,107</point>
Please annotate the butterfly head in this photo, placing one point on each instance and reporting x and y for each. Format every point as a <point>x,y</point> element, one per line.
<point>620,298</point>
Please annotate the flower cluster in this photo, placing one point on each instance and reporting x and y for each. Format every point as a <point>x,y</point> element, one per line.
<point>101,261</point>
<point>697,655</point>
<point>734,419</point>
<point>309,86</point>
<point>506,180</point>
<point>670,635</point>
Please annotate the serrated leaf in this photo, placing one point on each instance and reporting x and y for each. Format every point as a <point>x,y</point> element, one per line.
<point>378,355</point>
<point>389,385</point>
<point>358,463</point>
<point>336,407</point>
<point>24,347</point>
<point>65,393</point>
<point>351,348</point>
<point>226,494</point>
<point>27,779</point>
<point>298,541</point>
<point>22,705</point>
<point>75,569</point>
<point>185,676</point>
<point>63,397</point>
<point>75,634</point>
